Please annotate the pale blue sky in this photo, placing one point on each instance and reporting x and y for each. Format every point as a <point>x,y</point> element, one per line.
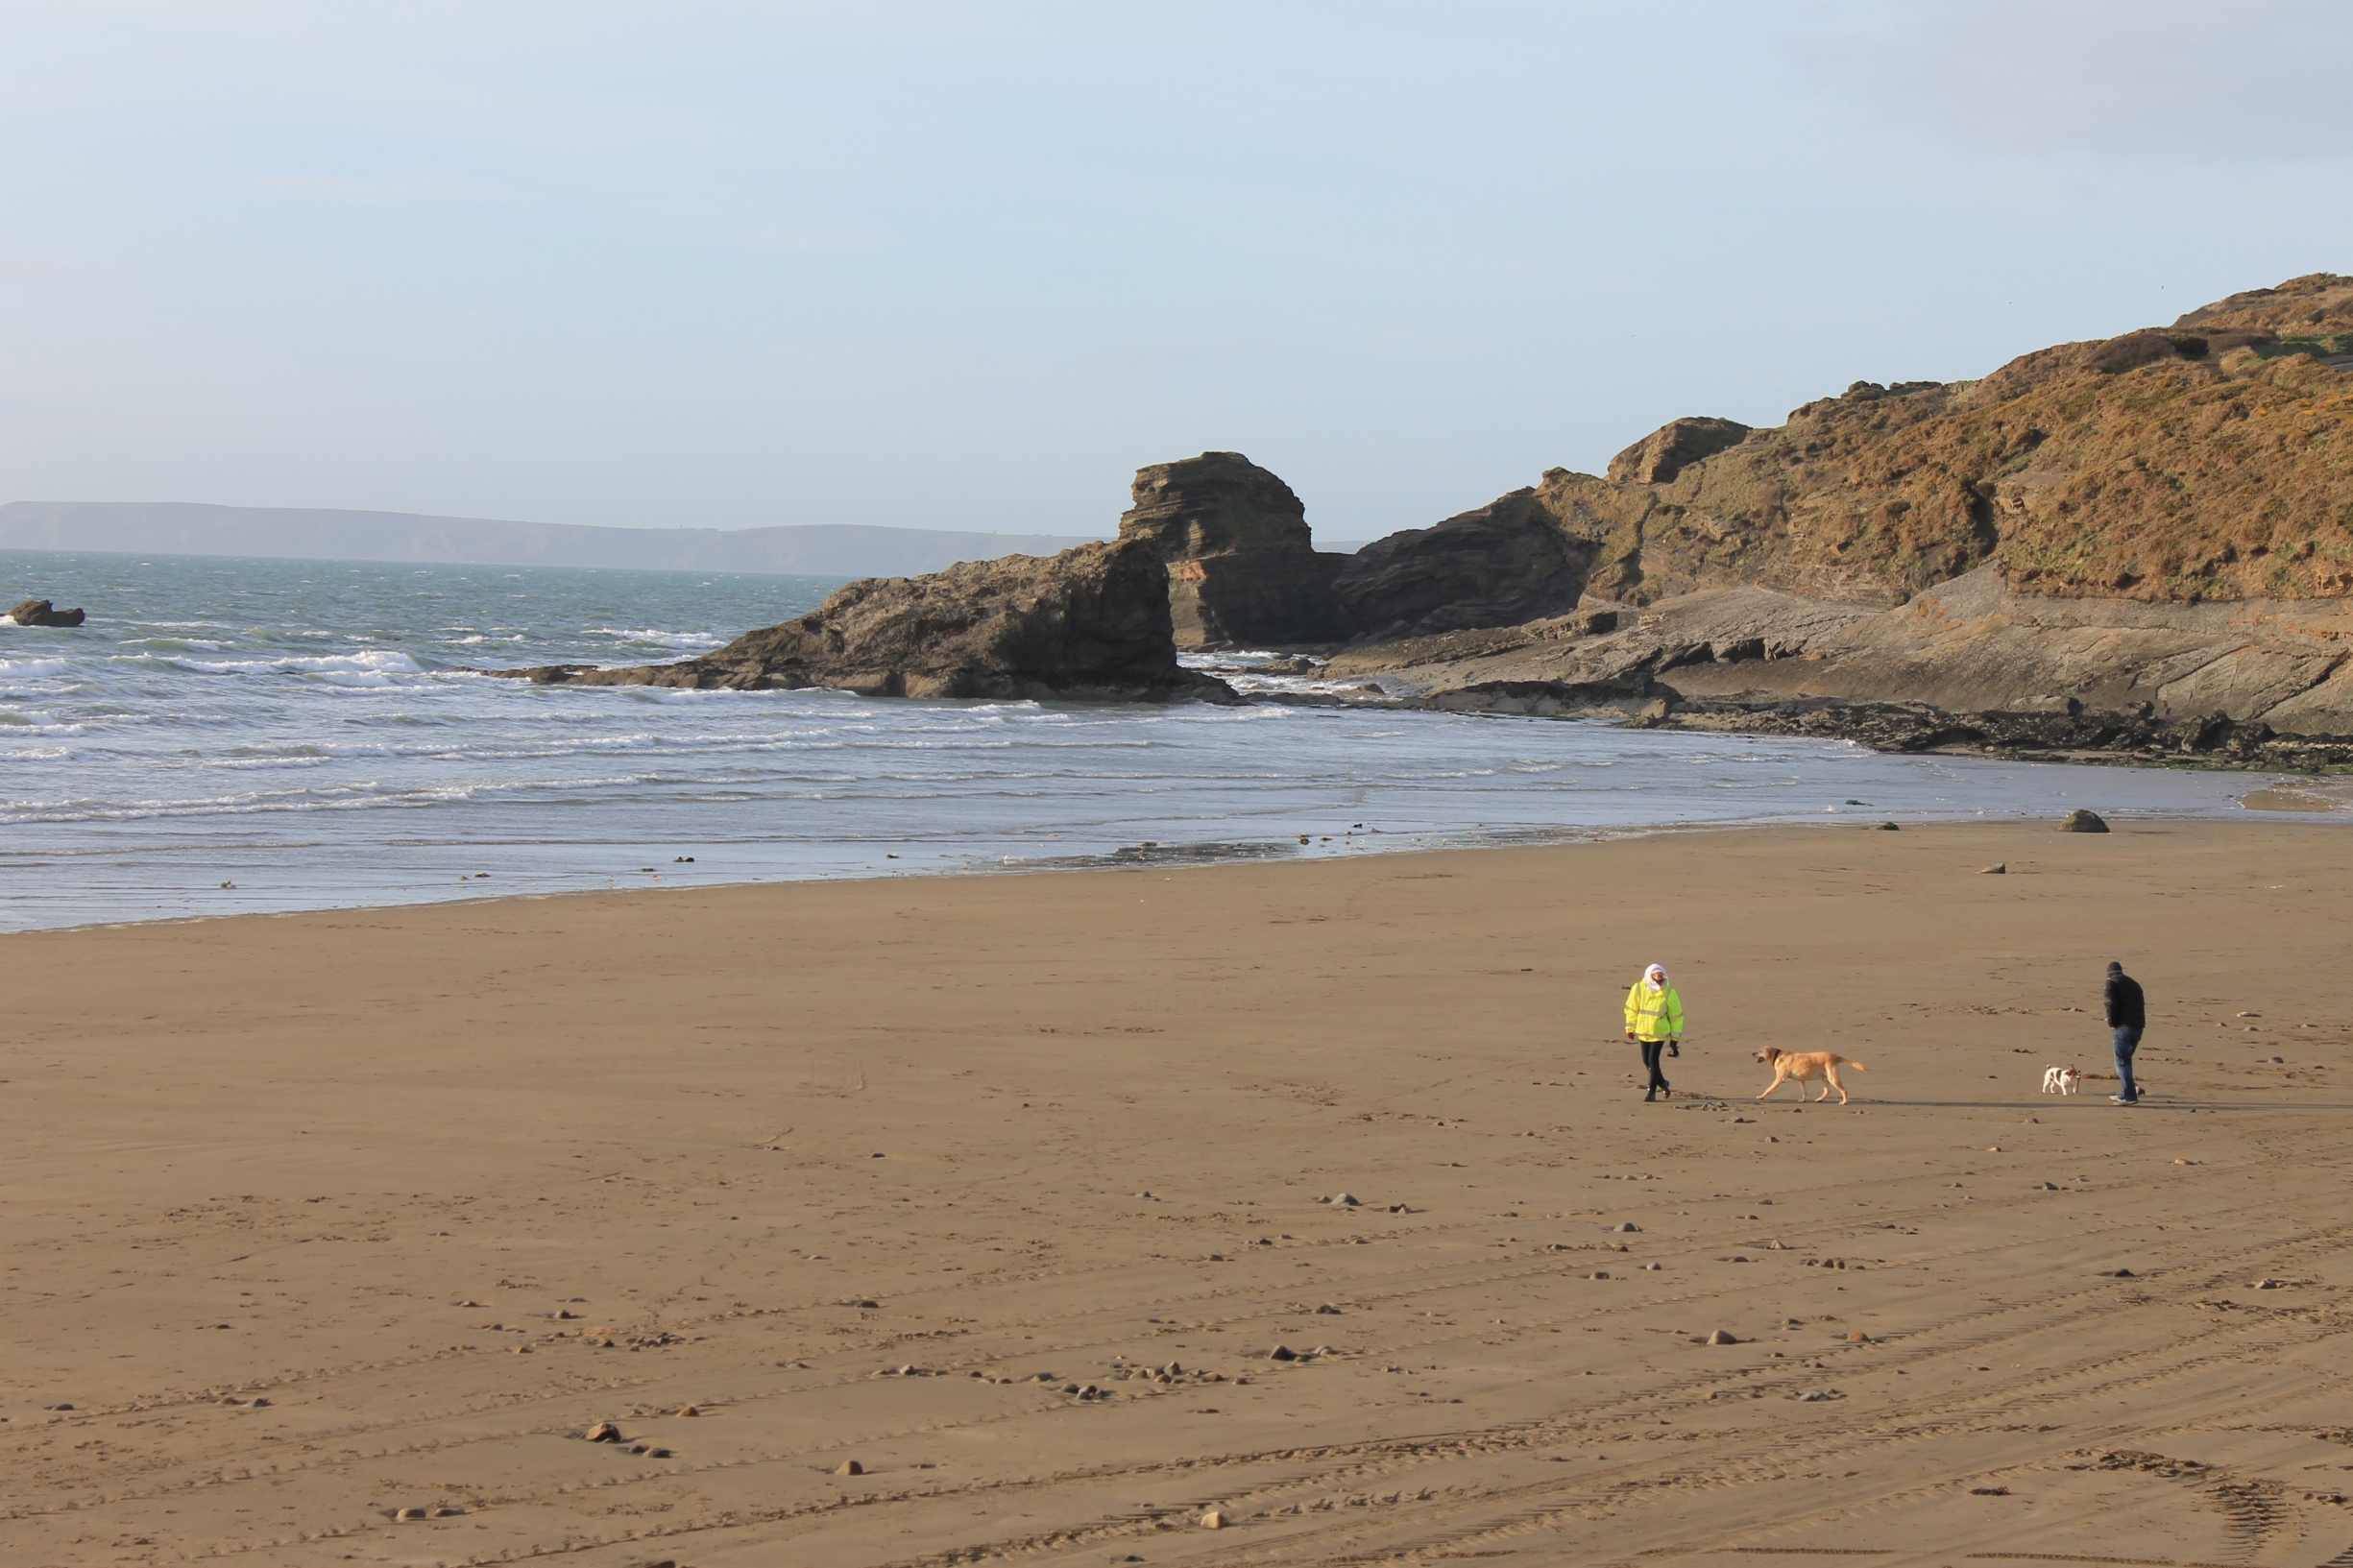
<point>967,265</point>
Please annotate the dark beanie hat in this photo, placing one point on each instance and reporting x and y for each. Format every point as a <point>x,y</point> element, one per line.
<point>2114,968</point>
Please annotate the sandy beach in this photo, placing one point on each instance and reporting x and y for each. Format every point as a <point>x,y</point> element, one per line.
<point>949,1221</point>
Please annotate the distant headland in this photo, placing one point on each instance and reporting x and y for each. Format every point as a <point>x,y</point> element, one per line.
<point>320,533</point>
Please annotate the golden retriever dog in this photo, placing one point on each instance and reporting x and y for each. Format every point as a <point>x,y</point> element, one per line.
<point>1802,1066</point>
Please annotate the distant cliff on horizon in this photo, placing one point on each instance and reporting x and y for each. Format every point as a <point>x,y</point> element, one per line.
<point>192,528</point>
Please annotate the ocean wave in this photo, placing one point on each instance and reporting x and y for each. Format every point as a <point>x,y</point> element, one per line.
<point>38,722</point>
<point>382,663</point>
<point>36,666</point>
<point>661,639</point>
<point>371,795</point>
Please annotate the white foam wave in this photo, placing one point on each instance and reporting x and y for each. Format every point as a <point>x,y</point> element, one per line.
<point>378,666</point>
<point>659,638</point>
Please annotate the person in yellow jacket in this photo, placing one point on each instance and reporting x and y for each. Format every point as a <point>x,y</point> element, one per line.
<point>1654,1021</point>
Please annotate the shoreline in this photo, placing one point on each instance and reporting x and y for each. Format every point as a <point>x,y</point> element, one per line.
<point>2285,796</point>
<point>844,1168</point>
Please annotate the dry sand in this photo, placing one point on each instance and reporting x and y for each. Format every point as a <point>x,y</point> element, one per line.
<point>877,1172</point>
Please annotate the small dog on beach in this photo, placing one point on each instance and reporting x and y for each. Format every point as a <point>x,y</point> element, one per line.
<point>1802,1066</point>
<point>2061,1080</point>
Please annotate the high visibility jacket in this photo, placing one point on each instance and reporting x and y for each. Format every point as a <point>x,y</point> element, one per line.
<point>1654,1014</point>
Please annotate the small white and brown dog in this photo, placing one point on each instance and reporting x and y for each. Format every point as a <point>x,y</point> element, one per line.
<point>1802,1066</point>
<point>2061,1080</point>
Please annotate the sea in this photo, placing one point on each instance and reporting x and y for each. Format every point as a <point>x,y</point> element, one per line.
<point>229,737</point>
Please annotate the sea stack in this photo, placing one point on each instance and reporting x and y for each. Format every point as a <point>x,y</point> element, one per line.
<point>1242,565</point>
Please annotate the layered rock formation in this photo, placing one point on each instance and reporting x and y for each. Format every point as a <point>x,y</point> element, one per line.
<point>41,612</point>
<point>1970,664</point>
<point>1242,565</point>
<point>1088,625</point>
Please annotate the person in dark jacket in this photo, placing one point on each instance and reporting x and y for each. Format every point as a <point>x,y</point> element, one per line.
<point>2127,1016</point>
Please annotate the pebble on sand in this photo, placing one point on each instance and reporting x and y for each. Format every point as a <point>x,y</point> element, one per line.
<point>849,1467</point>
<point>2000,868</point>
<point>1214,1519</point>
<point>1721,1336</point>
<point>1282,1353</point>
<point>603,1431</point>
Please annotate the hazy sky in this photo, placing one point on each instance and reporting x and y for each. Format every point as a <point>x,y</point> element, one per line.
<point>967,265</point>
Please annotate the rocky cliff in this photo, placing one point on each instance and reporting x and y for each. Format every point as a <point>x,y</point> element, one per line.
<point>2144,542</point>
<point>1091,624</point>
<point>2212,460</point>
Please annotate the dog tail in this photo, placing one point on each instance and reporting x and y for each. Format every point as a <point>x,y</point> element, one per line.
<point>1856,1066</point>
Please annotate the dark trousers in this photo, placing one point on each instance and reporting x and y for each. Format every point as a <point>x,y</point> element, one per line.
<point>2128,1041</point>
<point>1652,1050</point>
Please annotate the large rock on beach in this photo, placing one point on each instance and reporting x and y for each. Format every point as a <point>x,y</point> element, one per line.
<point>1088,625</point>
<point>41,612</point>
<point>1242,565</point>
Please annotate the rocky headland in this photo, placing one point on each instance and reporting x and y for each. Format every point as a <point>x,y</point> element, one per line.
<point>2141,546</point>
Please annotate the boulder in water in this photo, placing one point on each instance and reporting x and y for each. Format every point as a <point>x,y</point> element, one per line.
<point>41,612</point>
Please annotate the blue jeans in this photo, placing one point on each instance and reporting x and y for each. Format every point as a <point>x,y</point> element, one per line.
<point>2128,1041</point>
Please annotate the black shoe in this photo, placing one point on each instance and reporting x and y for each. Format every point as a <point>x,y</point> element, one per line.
<point>1649,1097</point>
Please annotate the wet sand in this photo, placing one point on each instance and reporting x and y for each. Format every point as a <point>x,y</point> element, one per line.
<point>874,1175</point>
